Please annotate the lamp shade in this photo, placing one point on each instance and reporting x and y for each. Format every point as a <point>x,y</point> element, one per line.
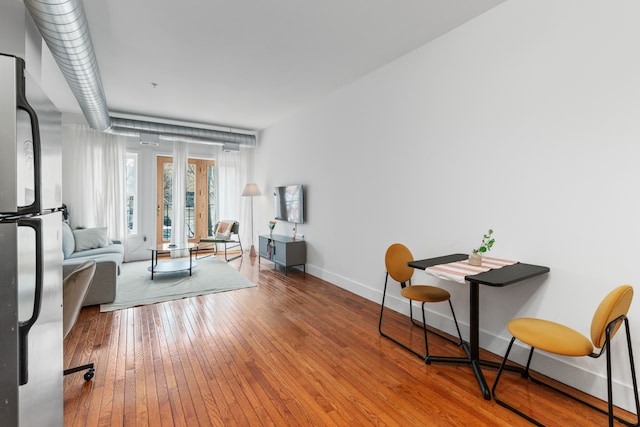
<point>251,189</point>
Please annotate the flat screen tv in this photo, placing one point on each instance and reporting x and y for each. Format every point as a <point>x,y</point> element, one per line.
<point>289,203</point>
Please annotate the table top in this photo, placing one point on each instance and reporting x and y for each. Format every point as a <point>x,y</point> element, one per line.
<point>423,264</point>
<point>498,277</point>
<point>167,247</point>
<point>281,238</point>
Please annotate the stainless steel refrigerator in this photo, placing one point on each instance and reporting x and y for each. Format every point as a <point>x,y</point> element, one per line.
<point>31,338</point>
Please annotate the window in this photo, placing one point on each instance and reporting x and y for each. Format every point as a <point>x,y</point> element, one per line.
<point>131,192</point>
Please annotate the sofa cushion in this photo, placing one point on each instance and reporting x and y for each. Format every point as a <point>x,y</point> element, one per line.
<point>90,238</point>
<point>113,258</point>
<point>68,242</point>
<point>223,231</point>
<point>89,253</point>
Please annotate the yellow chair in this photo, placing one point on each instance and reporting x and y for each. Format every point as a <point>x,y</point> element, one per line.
<point>561,340</point>
<point>396,259</point>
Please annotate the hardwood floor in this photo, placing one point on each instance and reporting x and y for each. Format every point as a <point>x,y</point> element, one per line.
<point>293,351</point>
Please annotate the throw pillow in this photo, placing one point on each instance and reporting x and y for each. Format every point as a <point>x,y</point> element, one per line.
<point>68,242</point>
<point>90,238</point>
<point>224,229</point>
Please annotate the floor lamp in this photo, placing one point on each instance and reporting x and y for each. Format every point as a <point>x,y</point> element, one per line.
<point>251,190</point>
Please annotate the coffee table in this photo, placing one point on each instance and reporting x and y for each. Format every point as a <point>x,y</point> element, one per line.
<point>174,264</point>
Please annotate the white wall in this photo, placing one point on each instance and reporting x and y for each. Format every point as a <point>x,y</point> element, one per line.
<point>20,37</point>
<point>524,120</point>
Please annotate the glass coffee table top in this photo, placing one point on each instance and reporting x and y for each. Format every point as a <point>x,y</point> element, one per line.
<point>168,247</point>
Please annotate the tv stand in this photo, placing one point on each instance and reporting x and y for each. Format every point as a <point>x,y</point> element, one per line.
<point>283,250</point>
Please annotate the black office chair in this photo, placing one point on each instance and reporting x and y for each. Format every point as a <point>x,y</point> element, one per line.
<point>75,287</point>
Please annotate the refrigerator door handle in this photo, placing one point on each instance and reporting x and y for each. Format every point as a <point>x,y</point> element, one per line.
<point>23,104</point>
<point>25,326</point>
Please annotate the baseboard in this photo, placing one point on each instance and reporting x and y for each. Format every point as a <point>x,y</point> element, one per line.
<point>564,370</point>
<point>437,320</point>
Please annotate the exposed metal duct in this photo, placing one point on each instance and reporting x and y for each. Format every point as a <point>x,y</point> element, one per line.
<point>184,133</point>
<point>64,28</point>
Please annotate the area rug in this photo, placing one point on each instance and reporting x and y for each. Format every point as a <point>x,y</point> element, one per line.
<point>210,275</point>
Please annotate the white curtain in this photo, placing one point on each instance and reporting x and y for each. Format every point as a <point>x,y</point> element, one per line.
<point>179,196</point>
<point>234,171</point>
<point>94,178</point>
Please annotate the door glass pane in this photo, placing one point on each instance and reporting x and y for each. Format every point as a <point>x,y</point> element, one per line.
<point>167,202</point>
<point>211,212</point>
<point>191,201</point>
<point>131,184</point>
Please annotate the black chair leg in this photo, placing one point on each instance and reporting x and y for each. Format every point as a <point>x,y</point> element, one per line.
<point>456,322</point>
<point>495,386</point>
<point>226,258</point>
<point>633,373</point>
<point>423,326</point>
<point>607,349</point>
<point>89,367</point>
<point>384,294</point>
<point>435,332</point>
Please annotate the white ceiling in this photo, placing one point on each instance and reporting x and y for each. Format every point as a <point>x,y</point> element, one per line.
<point>246,64</point>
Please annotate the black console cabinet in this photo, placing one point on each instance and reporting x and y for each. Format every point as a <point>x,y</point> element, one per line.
<point>283,250</point>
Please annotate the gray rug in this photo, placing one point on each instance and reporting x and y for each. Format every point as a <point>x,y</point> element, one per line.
<point>210,275</point>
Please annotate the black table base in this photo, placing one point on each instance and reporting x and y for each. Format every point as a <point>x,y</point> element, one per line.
<point>499,277</point>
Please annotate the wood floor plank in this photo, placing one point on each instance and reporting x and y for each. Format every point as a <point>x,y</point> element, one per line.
<point>294,350</point>
<point>193,369</point>
<point>151,386</point>
<point>107,361</point>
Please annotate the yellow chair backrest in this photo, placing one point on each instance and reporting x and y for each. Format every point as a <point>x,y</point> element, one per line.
<point>614,305</point>
<point>396,259</point>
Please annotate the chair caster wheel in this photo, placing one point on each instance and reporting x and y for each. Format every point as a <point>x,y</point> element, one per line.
<point>89,374</point>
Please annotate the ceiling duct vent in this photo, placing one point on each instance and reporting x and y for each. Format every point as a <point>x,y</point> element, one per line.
<point>150,139</point>
<point>228,147</point>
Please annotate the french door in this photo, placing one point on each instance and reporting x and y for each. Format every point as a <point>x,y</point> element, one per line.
<point>200,199</point>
